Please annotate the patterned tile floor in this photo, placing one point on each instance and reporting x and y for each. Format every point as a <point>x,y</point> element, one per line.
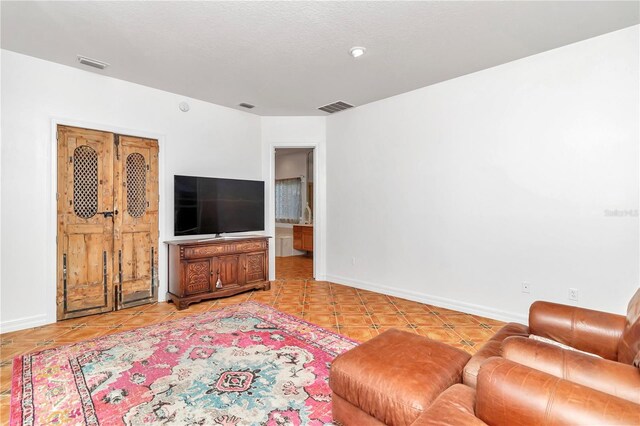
<point>294,267</point>
<point>359,314</point>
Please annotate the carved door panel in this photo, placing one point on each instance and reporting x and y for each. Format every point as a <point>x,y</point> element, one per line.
<point>227,268</point>
<point>198,277</point>
<point>107,211</point>
<point>136,231</point>
<point>255,267</point>
<point>85,228</point>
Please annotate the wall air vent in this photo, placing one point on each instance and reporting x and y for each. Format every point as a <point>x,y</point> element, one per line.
<point>246,105</point>
<point>335,107</point>
<point>92,62</point>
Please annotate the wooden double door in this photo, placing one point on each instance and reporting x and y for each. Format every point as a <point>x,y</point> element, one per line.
<point>107,237</point>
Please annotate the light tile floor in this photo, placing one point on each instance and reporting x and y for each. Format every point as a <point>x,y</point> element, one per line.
<point>359,314</point>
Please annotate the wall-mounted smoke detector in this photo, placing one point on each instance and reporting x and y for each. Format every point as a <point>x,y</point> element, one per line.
<point>92,62</point>
<point>246,105</point>
<point>335,107</point>
<point>184,107</point>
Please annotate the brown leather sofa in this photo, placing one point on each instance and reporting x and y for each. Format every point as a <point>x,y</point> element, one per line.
<point>400,379</point>
<point>510,394</point>
<point>615,338</point>
<point>507,393</point>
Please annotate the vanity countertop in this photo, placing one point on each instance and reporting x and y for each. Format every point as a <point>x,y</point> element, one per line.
<point>303,224</point>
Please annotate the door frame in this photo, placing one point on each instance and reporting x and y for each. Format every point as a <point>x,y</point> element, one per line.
<point>319,206</point>
<point>52,231</point>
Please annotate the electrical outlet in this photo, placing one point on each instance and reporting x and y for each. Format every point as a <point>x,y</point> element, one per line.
<point>573,294</point>
<point>526,287</point>
<point>353,260</point>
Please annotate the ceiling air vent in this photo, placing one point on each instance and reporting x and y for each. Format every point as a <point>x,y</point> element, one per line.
<point>246,105</point>
<point>92,62</point>
<point>335,107</point>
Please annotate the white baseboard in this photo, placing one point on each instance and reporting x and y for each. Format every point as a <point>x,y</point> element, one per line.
<point>442,302</point>
<point>485,311</point>
<point>22,323</point>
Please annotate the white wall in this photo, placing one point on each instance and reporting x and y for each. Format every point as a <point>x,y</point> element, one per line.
<point>209,140</point>
<point>453,194</point>
<point>456,193</point>
<point>291,165</point>
<point>301,132</point>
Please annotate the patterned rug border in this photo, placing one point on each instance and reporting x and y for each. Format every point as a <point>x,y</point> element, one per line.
<point>21,393</point>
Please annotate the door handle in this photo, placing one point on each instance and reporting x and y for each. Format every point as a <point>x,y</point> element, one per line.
<point>109,214</point>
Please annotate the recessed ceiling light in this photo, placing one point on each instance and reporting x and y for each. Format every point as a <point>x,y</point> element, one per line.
<point>357,51</point>
<point>92,62</point>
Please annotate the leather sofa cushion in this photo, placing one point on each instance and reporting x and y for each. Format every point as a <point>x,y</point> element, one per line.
<point>559,345</point>
<point>395,376</point>
<point>492,348</point>
<point>512,394</point>
<point>611,377</point>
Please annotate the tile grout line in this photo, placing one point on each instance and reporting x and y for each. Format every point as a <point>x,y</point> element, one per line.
<point>333,300</point>
<point>430,312</point>
<point>399,311</point>
<point>335,311</point>
<point>275,299</point>
<point>362,301</point>
<point>304,297</point>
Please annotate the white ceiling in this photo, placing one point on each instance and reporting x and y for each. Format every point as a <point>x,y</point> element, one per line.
<point>289,58</point>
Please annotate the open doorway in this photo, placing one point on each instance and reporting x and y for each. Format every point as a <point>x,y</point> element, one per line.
<point>294,213</point>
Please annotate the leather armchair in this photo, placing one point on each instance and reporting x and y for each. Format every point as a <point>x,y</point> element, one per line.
<point>510,394</point>
<point>613,337</point>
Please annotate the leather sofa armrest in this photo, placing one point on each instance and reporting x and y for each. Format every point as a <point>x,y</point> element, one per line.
<point>514,394</point>
<point>454,406</point>
<point>490,349</point>
<point>610,377</point>
<point>584,329</point>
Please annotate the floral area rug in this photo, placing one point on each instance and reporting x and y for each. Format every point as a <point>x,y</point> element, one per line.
<point>246,364</point>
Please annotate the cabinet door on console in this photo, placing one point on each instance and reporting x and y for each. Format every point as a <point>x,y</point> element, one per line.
<point>297,237</point>
<point>229,268</point>
<point>255,267</point>
<point>198,276</point>
<point>307,239</point>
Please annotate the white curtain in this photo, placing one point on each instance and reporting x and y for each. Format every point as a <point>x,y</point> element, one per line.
<point>288,200</point>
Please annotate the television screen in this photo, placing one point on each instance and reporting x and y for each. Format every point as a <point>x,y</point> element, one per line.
<point>212,205</point>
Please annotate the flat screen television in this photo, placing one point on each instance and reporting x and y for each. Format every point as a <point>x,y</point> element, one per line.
<point>204,205</point>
